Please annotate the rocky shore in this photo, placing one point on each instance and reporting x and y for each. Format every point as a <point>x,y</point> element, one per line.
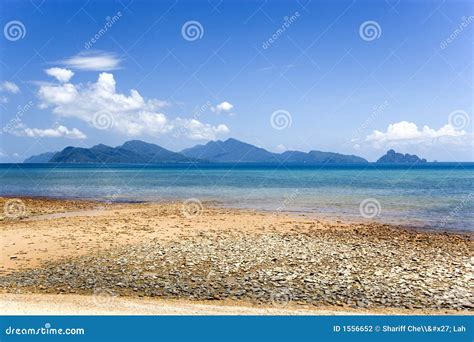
<point>282,261</point>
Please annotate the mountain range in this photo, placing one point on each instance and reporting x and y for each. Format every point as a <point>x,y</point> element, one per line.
<point>228,151</point>
<point>131,152</point>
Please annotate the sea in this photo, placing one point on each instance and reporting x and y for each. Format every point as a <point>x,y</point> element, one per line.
<point>434,196</point>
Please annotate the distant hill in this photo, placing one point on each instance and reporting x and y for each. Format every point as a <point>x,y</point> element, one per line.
<point>131,152</point>
<point>318,157</point>
<point>235,151</point>
<point>96,154</point>
<point>228,151</point>
<point>394,157</point>
<point>40,158</point>
<point>155,154</point>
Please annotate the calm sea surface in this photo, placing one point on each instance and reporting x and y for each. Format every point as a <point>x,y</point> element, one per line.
<point>436,196</point>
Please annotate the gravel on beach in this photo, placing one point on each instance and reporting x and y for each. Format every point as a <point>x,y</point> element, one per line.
<point>362,266</point>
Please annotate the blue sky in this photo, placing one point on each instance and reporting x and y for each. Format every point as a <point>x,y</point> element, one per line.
<point>356,77</point>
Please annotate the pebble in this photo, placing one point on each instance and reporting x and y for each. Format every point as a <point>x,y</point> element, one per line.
<point>326,267</point>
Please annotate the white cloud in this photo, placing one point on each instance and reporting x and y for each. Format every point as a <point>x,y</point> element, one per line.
<point>3,99</point>
<point>98,61</point>
<point>57,132</point>
<point>62,75</point>
<point>405,132</point>
<point>197,130</point>
<point>280,148</point>
<point>9,87</point>
<point>102,107</point>
<point>57,94</point>
<point>223,107</point>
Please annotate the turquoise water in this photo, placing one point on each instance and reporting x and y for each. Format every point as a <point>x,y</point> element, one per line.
<point>436,196</point>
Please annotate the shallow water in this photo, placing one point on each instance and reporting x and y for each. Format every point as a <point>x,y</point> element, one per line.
<point>436,196</point>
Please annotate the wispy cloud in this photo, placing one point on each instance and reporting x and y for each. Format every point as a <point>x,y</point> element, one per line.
<point>9,87</point>
<point>94,60</point>
<point>56,132</point>
<point>279,68</point>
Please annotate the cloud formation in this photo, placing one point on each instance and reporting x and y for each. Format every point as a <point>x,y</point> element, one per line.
<point>62,75</point>
<point>405,132</point>
<point>9,87</point>
<point>197,130</point>
<point>223,107</point>
<point>95,61</point>
<point>57,132</point>
<point>101,106</point>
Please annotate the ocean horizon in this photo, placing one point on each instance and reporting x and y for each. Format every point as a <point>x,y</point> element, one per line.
<point>435,196</point>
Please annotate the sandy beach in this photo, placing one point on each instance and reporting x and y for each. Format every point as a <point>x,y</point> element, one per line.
<point>83,257</point>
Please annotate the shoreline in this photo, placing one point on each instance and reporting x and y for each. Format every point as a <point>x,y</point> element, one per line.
<point>349,219</point>
<point>222,255</point>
